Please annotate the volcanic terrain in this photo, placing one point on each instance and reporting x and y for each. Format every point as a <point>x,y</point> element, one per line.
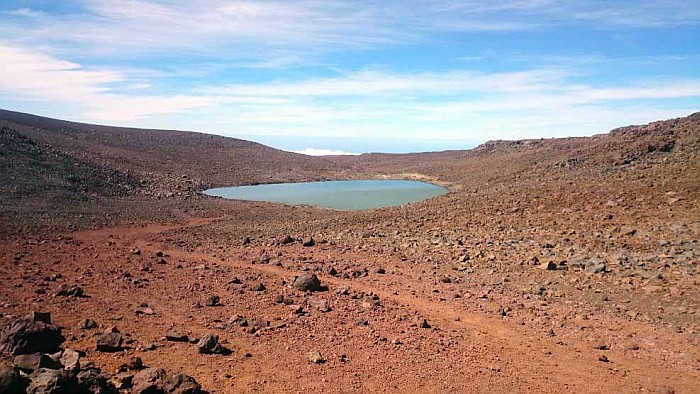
<point>553,265</point>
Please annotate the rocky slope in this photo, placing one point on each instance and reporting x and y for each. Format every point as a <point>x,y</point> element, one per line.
<point>553,266</point>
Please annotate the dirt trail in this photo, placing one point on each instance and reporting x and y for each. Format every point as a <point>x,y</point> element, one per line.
<point>525,357</point>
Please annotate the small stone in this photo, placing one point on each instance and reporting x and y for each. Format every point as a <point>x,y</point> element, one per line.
<point>315,357</point>
<point>135,364</point>
<point>309,242</point>
<point>87,324</point>
<point>175,336</point>
<point>320,304</point>
<point>209,344</point>
<point>122,380</point>
<point>425,324</point>
<point>259,287</point>
<point>381,271</point>
<point>287,240</point>
<point>213,301</point>
<point>548,266</point>
<point>70,291</point>
<point>110,341</point>
<point>603,358</point>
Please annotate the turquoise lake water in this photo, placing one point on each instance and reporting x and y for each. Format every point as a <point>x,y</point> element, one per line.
<point>345,195</point>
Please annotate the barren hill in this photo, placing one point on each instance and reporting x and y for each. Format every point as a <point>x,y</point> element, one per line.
<point>557,265</point>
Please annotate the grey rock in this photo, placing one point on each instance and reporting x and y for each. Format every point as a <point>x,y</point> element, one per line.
<point>31,362</point>
<point>110,341</point>
<point>10,380</point>
<point>70,359</point>
<point>52,381</point>
<point>25,336</point>
<point>178,383</point>
<point>175,336</point>
<point>307,282</point>
<point>209,344</point>
<point>149,381</point>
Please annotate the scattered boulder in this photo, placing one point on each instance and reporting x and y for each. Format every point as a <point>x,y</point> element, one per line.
<point>135,364</point>
<point>209,344</point>
<point>10,380</point>
<point>148,381</point>
<point>94,381</point>
<point>70,291</point>
<point>52,381</point>
<point>157,380</point>
<point>596,266</point>
<point>315,357</point>
<point>548,266</point>
<point>175,336</point>
<point>286,240</point>
<point>31,362</point>
<point>179,383</point>
<point>213,301</point>
<point>309,242</point>
<point>307,282</point>
<point>87,324</point>
<point>26,335</point>
<point>70,359</point>
<point>320,304</point>
<point>110,341</point>
<point>122,380</point>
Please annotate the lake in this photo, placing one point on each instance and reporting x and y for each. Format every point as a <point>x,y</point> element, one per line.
<point>345,195</point>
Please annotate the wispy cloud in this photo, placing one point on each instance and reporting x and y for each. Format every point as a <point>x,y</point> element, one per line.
<point>35,76</point>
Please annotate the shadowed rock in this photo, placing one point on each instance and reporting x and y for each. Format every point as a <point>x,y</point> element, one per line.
<point>25,336</point>
<point>307,282</point>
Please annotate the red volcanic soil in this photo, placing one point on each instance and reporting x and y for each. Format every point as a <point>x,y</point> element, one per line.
<point>564,265</point>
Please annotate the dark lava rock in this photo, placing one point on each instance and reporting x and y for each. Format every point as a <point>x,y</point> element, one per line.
<point>178,383</point>
<point>52,381</point>
<point>213,301</point>
<point>307,282</point>
<point>381,271</point>
<point>87,324</point>
<point>175,336</point>
<point>260,287</point>
<point>287,240</point>
<point>149,381</point>
<point>70,291</point>
<point>425,324</point>
<point>10,380</point>
<point>93,381</point>
<point>25,335</point>
<point>34,361</point>
<point>309,242</point>
<point>110,341</point>
<point>209,344</point>
<point>135,364</point>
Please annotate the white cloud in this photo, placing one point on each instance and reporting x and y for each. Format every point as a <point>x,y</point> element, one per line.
<point>324,152</point>
<point>35,76</point>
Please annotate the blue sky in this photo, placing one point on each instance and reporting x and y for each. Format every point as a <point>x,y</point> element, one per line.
<point>354,76</point>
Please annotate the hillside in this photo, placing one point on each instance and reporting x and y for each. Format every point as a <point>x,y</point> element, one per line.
<point>553,265</point>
